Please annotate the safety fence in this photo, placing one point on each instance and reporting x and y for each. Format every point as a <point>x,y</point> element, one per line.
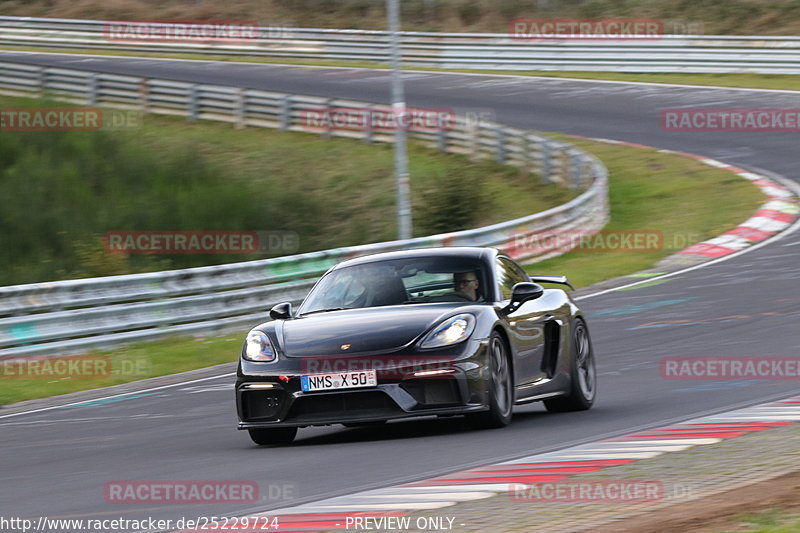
<point>485,51</point>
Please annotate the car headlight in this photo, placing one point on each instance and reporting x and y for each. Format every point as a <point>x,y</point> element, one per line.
<point>451,331</point>
<point>257,347</point>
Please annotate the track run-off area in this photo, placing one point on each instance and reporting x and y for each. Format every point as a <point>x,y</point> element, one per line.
<point>56,462</point>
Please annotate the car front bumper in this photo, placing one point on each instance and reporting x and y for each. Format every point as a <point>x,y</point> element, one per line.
<point>274,397</point>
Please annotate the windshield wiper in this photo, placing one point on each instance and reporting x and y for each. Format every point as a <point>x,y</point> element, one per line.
<point>325,310</point>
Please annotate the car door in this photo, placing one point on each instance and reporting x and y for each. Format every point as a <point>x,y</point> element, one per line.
<point>526,325</point>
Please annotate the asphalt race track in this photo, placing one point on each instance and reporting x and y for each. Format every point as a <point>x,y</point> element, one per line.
<point>56,462</point>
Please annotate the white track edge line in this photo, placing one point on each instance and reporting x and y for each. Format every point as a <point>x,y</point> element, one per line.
<point>151,389</point>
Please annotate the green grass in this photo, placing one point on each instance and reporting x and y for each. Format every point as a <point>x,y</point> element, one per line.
<point>128,363</point>
<point>769,521</point>
<point>675,195</point>
<point>173,175</point>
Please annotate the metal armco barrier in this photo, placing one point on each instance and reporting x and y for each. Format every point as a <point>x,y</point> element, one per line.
<point>76,315</point>
<point>485,51</point>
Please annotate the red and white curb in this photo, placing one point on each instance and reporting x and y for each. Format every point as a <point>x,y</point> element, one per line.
<point>509,476</point>
<point>778,213</point>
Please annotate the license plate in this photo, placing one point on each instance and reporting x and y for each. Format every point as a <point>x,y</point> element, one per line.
<point>338,380</point>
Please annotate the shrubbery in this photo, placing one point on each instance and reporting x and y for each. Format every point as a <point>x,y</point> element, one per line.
<point>61,191</point>
<point>736,17</point>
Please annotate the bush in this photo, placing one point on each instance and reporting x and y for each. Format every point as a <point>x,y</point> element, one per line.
<point>450,203</point>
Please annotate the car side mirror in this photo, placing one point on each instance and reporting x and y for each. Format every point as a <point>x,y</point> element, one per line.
<point>521,293</point>
<point>524,291</point>
<point>282,311</point>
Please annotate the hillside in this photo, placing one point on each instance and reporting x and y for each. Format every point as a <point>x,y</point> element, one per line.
<point>710,17</point>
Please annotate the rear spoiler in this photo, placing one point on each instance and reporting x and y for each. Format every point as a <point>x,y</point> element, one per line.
<point>561,280</point>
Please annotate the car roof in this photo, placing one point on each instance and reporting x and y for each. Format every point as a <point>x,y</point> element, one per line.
<point>467,252</point>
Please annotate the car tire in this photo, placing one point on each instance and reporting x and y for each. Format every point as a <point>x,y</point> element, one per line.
<point>499,386</point>
<point>583,374</point>
<point>267,436</point>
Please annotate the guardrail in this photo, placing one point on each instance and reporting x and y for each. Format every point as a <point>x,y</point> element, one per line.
<point>485,51</point>
<point>76,315</point>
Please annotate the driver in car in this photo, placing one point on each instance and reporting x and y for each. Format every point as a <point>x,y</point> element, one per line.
<point>466,285</point>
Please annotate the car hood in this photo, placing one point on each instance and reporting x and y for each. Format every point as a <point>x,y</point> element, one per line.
<point>369,330</point>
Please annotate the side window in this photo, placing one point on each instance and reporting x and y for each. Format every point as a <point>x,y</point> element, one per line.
<point>508,275</point>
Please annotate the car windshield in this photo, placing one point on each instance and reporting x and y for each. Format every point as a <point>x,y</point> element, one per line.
<point>396,282</point>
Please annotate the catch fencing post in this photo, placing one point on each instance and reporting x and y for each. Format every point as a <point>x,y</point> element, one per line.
<point>525,147</point>
<point>368,125</point>
<point>144,91</point>
<point>500,135</point>
<point>547,164</point>
<point>193,103</point>
<point>91,98</point>
<point>286,112</point>
<point>42,82</point>
<point>441,139</point>
<point>328,123</point>
<point>241,106</point>
<point>575,167</point>
<point>472,141</point>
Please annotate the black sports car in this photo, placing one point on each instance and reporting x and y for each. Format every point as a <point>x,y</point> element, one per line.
<point>438,331</point>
